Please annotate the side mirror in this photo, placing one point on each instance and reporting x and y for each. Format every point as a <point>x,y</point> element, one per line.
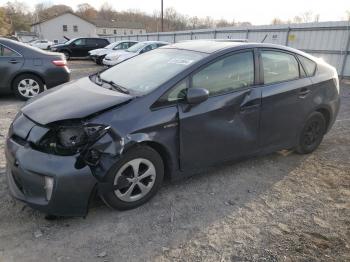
<point>74,45</point>
<point>196,95</point>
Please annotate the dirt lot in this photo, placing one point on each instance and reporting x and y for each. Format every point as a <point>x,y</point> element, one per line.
<point>281,207</point>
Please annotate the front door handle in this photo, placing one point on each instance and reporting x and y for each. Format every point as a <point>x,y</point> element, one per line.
<point>13,61</point>
<point>304,92</point>
<point>249,108</point>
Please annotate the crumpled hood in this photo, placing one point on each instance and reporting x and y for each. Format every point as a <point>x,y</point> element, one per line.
<point>97,51</point>
<point>77,99</point>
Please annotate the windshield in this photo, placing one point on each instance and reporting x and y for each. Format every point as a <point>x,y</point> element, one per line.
<point>111,46</point>
<point>70,41</point>
<point>146,72</point>
<point>136,47</point>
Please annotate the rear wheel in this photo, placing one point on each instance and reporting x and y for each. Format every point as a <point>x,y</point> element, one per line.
<point>27,86</point>
<point>312,134</point>
<point>135,178</point>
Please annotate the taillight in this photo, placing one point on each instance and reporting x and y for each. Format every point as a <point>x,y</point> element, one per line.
<point>59,62</point>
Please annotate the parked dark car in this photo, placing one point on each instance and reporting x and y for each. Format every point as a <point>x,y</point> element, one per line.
<point>27,71</point>
<point>170,112</point>
<point>79,47</point>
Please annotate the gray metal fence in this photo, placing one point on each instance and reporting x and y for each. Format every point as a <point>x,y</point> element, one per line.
<point>328,40</point>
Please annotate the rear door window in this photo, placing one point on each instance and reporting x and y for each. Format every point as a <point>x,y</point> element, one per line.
<point>308,65</point>
<point>6,52</point>
<point>279,66</point>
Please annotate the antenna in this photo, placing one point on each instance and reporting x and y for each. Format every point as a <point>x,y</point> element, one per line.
<point>264,38</point>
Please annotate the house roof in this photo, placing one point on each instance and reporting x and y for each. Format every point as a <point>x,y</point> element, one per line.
<point>60,14</point>
<point>99,22</point>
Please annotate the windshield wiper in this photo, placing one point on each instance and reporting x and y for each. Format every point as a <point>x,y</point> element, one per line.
<point>117,87</point>
<point>112,84</point>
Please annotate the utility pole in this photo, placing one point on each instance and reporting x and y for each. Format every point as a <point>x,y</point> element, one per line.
<point>162,16</point>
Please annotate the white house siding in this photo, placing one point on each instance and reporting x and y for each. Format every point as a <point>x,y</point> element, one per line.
<point>119,31</point>
<point>53,29</point>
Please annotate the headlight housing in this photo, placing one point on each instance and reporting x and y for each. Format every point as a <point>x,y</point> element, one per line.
<point>69,140</point>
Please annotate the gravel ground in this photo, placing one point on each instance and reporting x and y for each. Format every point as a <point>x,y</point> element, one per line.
<point>281,207</point>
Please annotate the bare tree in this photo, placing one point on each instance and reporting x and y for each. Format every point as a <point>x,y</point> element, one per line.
<point>18,16</point>
<point>87,11</point>
<point>277,21</point>
<point>5,26</point>
<point>44,11</point>
<point>107,11</point>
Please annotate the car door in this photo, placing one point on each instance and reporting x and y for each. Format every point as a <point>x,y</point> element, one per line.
<point>79,48</point>
<point>225,126</point>
<point>92,44</point>
<point>285,94</point>
<point>10,62</point>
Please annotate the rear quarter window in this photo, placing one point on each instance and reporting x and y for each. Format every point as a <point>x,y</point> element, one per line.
<point>308,65</point>
<point>102,42</point>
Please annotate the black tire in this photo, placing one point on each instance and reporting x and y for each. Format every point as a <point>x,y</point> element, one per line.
<point>16,86</point>
<point>66,55</point>
<point>312,133</point>
<point>144,152</point>
<point>99,60</point>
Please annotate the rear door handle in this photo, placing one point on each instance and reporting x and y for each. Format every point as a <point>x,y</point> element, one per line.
<point>13,61</point>
<point>304,92</point>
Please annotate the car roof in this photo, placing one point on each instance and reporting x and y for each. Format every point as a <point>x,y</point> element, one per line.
<point>212,46</point>
<point>23,49</point>
<point>155,42</point>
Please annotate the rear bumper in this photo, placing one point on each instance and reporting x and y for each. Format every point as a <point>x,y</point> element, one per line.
<point>57,76</point>
<point>335,106</point>
<point>26,171</point>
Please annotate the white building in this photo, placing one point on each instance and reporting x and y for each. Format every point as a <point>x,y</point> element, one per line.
<point>70,25</point>
<point>108,28</point>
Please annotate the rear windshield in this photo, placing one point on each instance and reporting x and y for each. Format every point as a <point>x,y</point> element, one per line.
<point>146,72</point>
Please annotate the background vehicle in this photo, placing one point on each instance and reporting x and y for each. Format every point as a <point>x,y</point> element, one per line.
<point>165,113</point>
<point>99,54</point>
<point>42,44</point>
<point>139,48</point>
<point>26,70</point>
<point>79,47</point>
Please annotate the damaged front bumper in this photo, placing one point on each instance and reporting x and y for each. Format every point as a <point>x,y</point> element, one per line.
<point>73,184</point>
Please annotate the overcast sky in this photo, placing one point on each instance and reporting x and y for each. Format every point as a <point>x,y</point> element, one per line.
<point>256,12</point>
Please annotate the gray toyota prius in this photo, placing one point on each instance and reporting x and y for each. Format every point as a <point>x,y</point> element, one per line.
<point>171,112</point>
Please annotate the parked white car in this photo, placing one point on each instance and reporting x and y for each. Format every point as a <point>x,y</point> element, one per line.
<point>42,44</point>
<point>98,54</point>
<point>140,48</point>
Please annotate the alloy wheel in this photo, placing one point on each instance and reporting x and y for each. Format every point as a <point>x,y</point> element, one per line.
<point>28,88</point>
<point>134,180</point>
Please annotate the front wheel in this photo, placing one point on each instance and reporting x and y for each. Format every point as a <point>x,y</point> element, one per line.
<point>99,60</point>
<point>66,55</point>
<point>312,133</point>
<point>135,178</point>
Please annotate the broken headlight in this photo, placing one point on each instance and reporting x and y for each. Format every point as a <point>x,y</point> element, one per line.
<point>69,140</point>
